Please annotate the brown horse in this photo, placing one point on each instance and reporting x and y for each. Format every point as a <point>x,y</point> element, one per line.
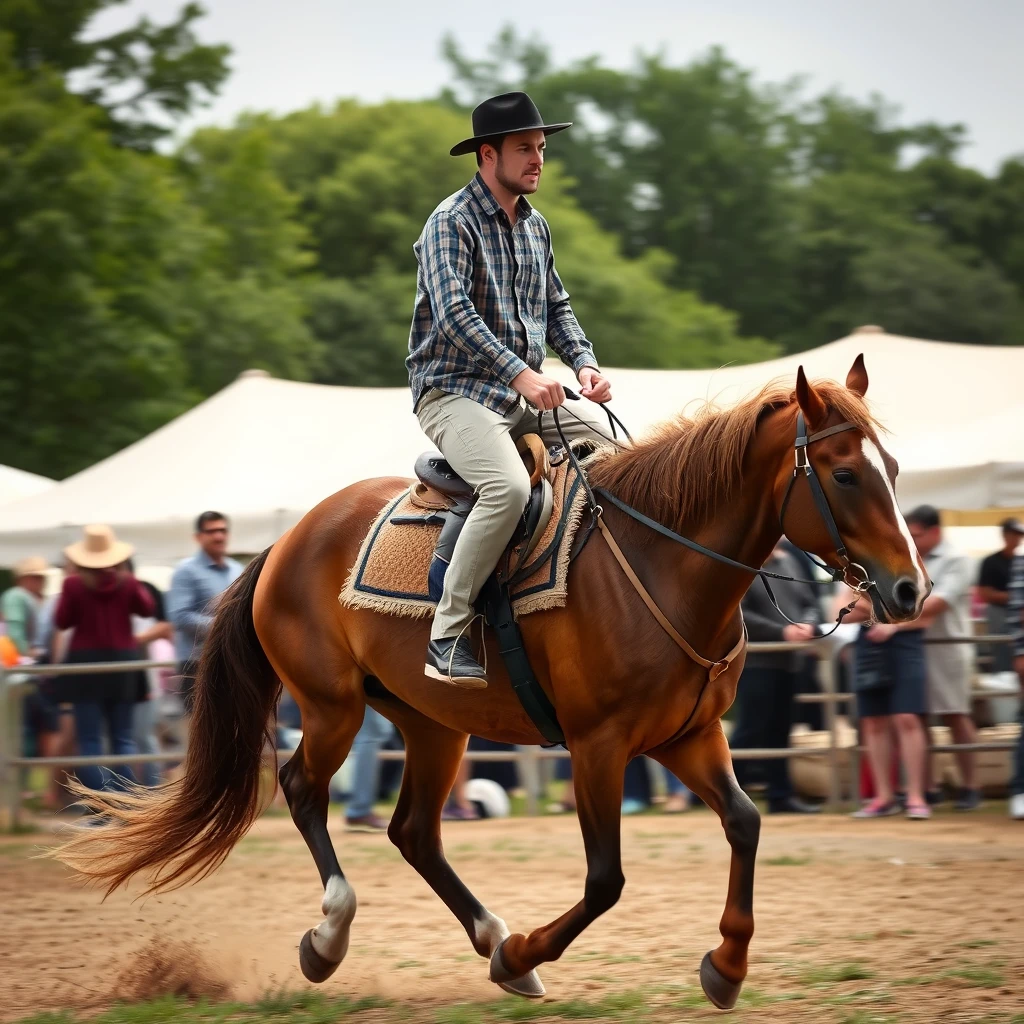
<point>621,686</point>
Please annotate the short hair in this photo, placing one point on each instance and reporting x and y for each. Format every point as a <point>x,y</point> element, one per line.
<point>494,141</point>
<point>210,517</point>
<point>924,515</point>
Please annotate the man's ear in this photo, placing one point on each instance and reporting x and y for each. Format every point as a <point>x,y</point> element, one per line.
<point>814,409</point>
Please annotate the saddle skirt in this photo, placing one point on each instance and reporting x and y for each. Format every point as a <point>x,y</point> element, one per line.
<point>401,563</point>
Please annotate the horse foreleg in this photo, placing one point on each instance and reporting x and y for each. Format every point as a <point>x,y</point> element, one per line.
<point>703,763</point>
<point>598,766</point>
<point>433,754</point>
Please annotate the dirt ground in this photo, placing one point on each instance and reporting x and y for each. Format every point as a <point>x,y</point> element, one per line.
<point>856,921</point>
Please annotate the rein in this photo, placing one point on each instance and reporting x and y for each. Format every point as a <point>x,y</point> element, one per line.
<point>847,574</point>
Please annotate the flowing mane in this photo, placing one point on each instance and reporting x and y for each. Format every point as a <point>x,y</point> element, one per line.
<point>682,469</point>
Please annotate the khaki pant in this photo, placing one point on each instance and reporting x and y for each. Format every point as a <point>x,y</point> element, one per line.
<point>480,445</point>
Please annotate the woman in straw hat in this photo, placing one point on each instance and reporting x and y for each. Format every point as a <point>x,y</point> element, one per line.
<point>97,602</point>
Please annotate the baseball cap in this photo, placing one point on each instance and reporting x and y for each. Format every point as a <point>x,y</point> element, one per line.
<point>1013,525</point>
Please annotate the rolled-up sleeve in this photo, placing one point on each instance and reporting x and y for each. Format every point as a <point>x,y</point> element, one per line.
<point>447,260</point>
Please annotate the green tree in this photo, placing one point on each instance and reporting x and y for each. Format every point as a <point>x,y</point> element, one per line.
<point>144,78</point>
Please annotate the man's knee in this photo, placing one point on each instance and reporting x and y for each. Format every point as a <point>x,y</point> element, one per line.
<point>509,492</point>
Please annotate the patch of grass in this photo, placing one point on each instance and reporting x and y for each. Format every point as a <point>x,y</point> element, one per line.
<point>15,849</point>
<point>977,943</point>
<point>403,964</point>
<point>867,1017</point>
<point>808,942</point>
<point>978,975</point>
<point>787,861</point>
<point>622,959</point>
<point>831,974</point>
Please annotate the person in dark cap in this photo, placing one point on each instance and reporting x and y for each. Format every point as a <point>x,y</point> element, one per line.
<point>488,302</point>
<point>994,590</point>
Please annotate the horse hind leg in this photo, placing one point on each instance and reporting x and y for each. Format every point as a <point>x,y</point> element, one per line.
<point>328,729</point>
<point>432,757</point>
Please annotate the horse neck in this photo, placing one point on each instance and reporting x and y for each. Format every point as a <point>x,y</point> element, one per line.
<point>745,528</point>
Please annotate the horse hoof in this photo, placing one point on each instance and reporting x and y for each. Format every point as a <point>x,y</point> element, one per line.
<point>314,966</point>
<point>527,985</point>
<point>722,992</point>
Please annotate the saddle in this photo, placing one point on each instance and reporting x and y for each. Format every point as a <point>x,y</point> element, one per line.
<point>447,500</point>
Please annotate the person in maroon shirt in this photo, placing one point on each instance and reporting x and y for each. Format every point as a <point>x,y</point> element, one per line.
<point>97,603</point>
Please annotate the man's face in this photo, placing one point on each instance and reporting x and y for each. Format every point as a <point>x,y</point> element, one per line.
<point>520,161</point>
<point>925,537</point>
<point>1012,539</point>
<point>213,538</point>
<point>33,584</point>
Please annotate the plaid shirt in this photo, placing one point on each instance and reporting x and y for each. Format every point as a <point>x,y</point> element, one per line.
<point>1015,605</point>
<point>488,299</point>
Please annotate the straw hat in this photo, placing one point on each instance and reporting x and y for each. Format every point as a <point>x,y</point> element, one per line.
<point>99,549</point>
<point>33,566</point>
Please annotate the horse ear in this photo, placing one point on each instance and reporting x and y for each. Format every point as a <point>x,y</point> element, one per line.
<point>857,378</point>
<point>809,400</point>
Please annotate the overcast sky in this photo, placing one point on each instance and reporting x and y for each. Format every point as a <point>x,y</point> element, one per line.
<point>944,60</point>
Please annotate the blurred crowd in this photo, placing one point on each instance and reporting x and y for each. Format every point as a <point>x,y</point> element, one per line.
<point>102,613</point>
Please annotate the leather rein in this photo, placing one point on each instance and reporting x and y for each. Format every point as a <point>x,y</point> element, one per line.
<point>853,574</point>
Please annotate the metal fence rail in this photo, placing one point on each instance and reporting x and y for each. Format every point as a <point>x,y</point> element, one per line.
<point>14,682</point>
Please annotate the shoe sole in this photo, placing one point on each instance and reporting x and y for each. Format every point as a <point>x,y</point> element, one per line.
<point>366,829</point>
<point>463,682</point>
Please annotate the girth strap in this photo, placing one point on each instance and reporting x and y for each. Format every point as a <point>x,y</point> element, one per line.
<point>715,668</point>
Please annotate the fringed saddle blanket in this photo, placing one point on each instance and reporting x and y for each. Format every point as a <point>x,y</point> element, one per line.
<point>390,574</point>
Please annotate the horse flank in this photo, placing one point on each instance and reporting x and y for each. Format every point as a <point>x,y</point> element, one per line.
<point>681,470</point>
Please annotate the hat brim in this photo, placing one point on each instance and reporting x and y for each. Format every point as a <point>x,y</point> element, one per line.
<point>469,145</point>
<point>118,552</point>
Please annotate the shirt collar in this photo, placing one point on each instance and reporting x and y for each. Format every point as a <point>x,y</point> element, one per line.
<point>204,559</point>
<point>490,205</point>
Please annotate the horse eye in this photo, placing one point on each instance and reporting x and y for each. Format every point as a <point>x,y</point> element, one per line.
<point>845,477</point>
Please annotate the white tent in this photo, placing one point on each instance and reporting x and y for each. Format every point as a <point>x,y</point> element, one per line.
<point>264,451</point>
<point>16,483</point>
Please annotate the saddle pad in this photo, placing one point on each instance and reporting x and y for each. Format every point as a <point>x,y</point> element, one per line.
<point>390,573</point>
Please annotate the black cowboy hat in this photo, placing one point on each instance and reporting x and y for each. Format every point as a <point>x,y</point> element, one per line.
<point>503,115</point>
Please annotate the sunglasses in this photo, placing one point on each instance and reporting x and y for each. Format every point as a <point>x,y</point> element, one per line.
<point>216,529</point>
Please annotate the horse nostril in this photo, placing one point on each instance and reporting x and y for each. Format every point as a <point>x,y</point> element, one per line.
<point>905,594</point>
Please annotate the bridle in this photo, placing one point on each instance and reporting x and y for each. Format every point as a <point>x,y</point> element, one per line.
<point>854,575</point>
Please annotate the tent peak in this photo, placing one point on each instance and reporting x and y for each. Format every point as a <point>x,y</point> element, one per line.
<point>869,329</point>
<point>246,374</point>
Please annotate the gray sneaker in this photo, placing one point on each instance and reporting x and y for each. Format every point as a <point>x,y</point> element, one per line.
<point>451,661</point>
<point>967,800</point>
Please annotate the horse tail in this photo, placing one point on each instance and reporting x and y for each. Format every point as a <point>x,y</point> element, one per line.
<point>181,831</point>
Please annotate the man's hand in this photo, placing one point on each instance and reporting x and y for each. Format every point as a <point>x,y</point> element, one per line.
<point>798,631</point>
<point>594,385</point>
<point>880,632</point>
<point>540,391</point>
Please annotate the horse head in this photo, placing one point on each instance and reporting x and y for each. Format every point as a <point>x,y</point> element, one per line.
<point>856,477</point>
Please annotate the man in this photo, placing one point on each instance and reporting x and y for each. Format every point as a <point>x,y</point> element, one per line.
<point>488,300</point>
<point>375,731</point>
<point>1015,623</point>
<point>946,612</point>
<point>20,606</point>
<point>195,591</point>
<point>764,698</point>
<point>993,588</point>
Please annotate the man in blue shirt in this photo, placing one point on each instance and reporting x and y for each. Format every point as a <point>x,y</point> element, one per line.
<point>195,591</point>
<point>488,303</point>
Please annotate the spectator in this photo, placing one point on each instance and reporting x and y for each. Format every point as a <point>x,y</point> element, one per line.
<point>458,806</point>
<point>153,636</point>
<point>946,613</point>
<point>1015,620</point>
<point>764,698</point>
<point>98,602</point>
<point>372,735</point>
<point>890,680</point>
<point>993,589</point>
<point>21,604</point>
<point>21,609</point>
<point>196,587</point>
<point>679,797</point>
